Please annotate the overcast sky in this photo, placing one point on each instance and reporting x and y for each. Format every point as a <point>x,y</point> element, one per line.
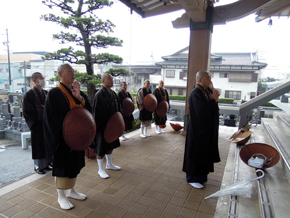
<point>147,37</point>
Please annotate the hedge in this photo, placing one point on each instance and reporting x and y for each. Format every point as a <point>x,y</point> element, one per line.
<point>268,104</point>
<point>183,98</point>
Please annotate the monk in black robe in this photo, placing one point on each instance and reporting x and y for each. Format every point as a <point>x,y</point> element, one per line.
<point>161,94</point>
<point>144,116</point>
<point>106,103</point>
<point>201,146</point>
<point>127,119</point>
<point>67,163</point>
<point>33,106</point>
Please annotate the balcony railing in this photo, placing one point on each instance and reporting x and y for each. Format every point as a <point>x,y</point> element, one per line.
<point>246,108</point>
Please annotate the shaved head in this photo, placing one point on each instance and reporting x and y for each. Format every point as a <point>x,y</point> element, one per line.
<point>107,80</point>
<point>201,75</point>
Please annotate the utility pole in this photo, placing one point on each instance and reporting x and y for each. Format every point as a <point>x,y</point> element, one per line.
<point>24,76</point>
<point>7,43</point>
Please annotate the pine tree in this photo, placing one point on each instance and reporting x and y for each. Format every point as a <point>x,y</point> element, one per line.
<point>82,27</point>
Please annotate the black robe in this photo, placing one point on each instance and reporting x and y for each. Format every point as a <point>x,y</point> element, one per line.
<point>66,162</point>
<point>128,120</point>
<point>104,106</point>
<point>160,120</point>
<point>145,115</point>
<point>201,146</point>
<point>34,120</point>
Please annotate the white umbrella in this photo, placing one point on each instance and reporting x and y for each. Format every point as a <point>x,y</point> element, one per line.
<point>239,189</point>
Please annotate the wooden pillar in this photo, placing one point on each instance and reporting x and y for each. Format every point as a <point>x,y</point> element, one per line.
<point>199,53</point>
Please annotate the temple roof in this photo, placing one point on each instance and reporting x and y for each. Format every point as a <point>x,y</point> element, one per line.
<point>225,58</point>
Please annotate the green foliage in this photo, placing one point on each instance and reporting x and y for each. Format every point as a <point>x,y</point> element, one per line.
<point>56,78</point>
<point>136,124</point>
<point>85,91</point>
<point>268,104</point>
<point>261,88</point>
<point>226,100</point>
<point>80,20</point>
<point>270,79</point>
<point>177,97</point>
<point>183,98</point>
<point>84,79</point>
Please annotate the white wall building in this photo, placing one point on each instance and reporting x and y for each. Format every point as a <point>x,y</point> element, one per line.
<point>24,64</point>
<point>235,75</point>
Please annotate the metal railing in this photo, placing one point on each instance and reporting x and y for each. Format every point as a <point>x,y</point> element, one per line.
<point>245,108</point>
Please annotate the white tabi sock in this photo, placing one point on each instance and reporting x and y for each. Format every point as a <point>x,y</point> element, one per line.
<point>123,138</point>
<point>145,132</point>
<point>102,173</point>
<point>71,193</point>
<point>63,201</point>
<point>157,129</point>
<point>160,130</point>
<point>142,132</point>
<point>196,185</point>
<point>109,165</point>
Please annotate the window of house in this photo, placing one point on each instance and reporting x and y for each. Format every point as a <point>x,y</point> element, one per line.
<point>170,73</point>
<point>252,95</point>
<point>50,82</point>
<point>1,70</point>
<point>180,91</point>
<point>254,77</point>
<point>236,95</point>
<point>240,77</point>
<point>183,74</point>
<point>224,75</point>
<point>55,73</point>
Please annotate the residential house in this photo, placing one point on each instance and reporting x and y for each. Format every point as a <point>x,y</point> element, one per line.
<point>142,72</point>
<point>235,75</point>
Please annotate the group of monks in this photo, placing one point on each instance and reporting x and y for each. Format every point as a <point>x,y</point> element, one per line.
<point>45,113</point>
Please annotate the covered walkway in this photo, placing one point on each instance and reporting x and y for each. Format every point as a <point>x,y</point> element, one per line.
<point>150,184</point>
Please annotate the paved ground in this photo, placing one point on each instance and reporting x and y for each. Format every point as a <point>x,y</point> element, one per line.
<point>15,162</point>
<point>150,184</point>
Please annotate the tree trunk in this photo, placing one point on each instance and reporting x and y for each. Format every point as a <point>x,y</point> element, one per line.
<point>91,92</point>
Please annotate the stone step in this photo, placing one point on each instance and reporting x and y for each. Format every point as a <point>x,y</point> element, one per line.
<point>269,195</point>
<point>283,120</point>
<point>274,188</point>
<point>280,140</point>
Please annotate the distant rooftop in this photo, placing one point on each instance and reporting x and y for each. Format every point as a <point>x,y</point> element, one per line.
<point>31,52</point>
<point>21,56</point>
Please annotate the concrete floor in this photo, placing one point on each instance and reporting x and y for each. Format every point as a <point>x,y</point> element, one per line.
<point>150,184</point>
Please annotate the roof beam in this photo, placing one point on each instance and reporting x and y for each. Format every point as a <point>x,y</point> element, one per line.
<point>133,7</point>
<point>236,10</point>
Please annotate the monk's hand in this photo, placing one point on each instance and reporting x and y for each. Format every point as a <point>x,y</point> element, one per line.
<point>215,95</point>
<point>76,91</point>
<point>211,86</point>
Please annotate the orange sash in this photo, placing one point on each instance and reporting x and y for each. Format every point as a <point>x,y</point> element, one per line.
<point>164,98</point>
<point>72,102</point>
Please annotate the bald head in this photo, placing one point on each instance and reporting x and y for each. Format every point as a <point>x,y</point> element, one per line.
<point>203,78</point>
<point>161,84</point>
<point>62,67</point>
<point>107,80</point>
<point>201,75</point>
